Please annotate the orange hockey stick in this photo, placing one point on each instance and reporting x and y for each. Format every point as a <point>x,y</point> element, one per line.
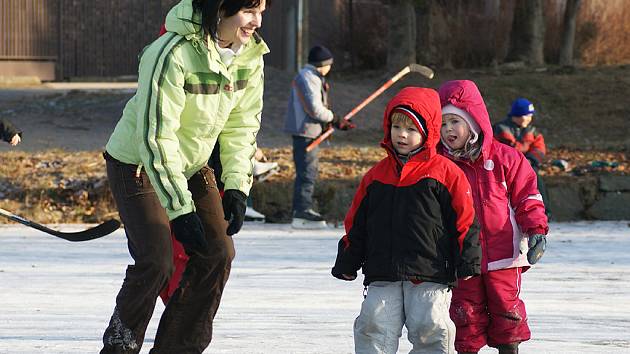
<point>415,68</point>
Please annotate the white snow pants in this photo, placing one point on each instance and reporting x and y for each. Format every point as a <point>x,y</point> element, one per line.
<point>422,308</point>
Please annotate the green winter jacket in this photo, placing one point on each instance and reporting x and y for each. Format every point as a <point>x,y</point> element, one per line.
<point>187,99</point>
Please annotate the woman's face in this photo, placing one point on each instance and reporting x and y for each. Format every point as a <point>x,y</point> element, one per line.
<point>238,29</point>
<point>455,131</point>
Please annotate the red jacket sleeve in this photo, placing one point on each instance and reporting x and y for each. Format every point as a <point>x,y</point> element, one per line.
<point>505,137</point>
<point>524,196</point>
<point>537,149</point>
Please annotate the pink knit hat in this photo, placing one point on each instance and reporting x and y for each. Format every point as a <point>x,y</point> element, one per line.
<point>472,124</point>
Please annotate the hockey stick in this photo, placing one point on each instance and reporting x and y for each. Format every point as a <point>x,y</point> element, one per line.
<point>415,68</point>
<point>98,231</point>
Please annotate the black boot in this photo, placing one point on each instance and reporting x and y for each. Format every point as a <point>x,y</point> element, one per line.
<point>511,348</point>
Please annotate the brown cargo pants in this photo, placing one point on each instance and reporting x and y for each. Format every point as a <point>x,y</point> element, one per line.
<point>186,324</point>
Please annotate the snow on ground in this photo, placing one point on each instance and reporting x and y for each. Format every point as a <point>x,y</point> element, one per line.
<point>57,296</point>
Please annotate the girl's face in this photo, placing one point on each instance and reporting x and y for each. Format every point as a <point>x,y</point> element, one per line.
<point>237,30</point>
<point>405,138</point>
<point>455,131</point>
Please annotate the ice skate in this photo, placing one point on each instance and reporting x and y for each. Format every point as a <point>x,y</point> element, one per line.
<point>264,170</point>
<point>308,220</point>
<point>252,215</point>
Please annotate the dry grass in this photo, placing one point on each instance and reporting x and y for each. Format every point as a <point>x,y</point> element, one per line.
<point>56,186</point>
<point>71,187</point>
<point>581,112</point>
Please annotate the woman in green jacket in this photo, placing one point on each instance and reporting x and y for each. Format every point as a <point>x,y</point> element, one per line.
<point>199,83</point>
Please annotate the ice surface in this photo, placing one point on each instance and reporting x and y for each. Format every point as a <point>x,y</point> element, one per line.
<point>57,296</point>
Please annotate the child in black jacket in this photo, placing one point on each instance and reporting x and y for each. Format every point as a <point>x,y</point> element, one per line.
<point>412,229</point>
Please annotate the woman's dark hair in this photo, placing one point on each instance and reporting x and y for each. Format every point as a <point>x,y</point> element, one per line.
<point>211,9</point>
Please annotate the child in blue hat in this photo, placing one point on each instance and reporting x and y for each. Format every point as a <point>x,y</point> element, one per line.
<point>517,130</point>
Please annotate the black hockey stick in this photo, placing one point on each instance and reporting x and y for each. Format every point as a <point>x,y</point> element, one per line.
<point>98,231</point>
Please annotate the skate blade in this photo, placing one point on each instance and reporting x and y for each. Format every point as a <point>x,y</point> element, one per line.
<point>304,224</point>
<point>263,177</point>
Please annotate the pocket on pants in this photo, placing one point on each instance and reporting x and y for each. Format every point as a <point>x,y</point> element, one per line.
<point>205,194</point>
<point>135,184</point>
<point>210,179</point>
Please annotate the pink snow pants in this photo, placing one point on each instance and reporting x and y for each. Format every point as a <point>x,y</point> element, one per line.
<point>487,309</point>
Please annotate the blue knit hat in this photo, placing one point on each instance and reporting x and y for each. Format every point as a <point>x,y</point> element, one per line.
<point>521,107</point>
<point>320,56</point>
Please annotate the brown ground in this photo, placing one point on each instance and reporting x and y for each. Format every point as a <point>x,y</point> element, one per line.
<point>583,115</point>
<point>584,109</point>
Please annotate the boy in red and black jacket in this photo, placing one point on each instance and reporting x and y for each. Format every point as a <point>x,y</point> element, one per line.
<point>412,229</point>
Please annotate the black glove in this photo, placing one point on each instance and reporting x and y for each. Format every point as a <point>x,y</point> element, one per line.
<point>342,124</point>
<point>189,231</point>
<point>234,205</point>
<point>537,244</point>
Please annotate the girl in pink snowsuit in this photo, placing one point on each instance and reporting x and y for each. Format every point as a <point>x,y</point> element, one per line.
<point>487,309</point>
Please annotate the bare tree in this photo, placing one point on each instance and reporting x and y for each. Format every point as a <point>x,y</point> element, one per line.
<point>527,40</point>
<point>568,32</point>
<point>401,49</point>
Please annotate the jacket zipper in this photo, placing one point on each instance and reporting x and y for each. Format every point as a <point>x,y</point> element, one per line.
<point>479,203</point>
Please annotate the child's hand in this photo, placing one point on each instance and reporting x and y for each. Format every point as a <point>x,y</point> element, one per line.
<point>342,124</point>
<point>15,140</point>
<point>343,276</point>
<point>537,244</point>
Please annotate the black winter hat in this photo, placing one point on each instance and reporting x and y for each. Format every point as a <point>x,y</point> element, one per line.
<point>320,56</point>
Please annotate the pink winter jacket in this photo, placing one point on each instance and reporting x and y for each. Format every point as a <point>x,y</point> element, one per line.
<point>507,202</point>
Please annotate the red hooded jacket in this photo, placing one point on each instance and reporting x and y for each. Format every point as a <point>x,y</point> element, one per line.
<point>507,202</point>
<point>413,221</point>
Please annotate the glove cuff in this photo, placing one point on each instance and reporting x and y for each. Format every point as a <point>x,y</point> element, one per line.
<point>235,193</point>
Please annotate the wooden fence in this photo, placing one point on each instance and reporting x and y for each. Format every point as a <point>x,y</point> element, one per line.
<point>87,38</point>
<point>102,38</point>
<point>29,29</point>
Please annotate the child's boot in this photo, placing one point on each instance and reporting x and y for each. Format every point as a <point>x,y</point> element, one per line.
<point>511,348</point>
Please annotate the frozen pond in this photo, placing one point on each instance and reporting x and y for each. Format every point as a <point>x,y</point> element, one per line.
<point>57,296</point>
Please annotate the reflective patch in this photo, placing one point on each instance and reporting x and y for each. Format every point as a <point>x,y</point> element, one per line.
<point>202,89</point>
<point>203,83</point>
<point>241,79</point>
<point>241,84</point>
<point>488,165</point>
